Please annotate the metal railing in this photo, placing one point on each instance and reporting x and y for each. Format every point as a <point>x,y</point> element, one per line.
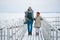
<point>50,32</point>
<point>12,31</point>
<point>15,30</point>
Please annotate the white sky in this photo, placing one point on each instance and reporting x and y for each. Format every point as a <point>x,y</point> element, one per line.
<point>19,6</point>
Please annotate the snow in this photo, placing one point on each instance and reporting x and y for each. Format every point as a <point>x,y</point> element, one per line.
<point>8,19</point>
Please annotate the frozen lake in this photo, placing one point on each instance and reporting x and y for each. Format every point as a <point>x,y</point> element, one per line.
<point>21,15</point>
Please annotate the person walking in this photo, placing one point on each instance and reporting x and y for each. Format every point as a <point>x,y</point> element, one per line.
<point>29,20</point>
<point>37,19</point>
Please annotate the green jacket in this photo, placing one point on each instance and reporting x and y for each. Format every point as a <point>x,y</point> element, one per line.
<point>29,15</point>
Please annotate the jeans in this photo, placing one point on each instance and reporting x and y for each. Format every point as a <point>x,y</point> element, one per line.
<point>29,24</point>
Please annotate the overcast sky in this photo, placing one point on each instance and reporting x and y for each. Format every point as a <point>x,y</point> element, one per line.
<point>19,6</point>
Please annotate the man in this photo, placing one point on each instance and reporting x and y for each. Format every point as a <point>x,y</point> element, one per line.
<point>29,19</point>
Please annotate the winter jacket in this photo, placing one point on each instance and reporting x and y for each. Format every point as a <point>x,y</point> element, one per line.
<point>29,15</point>
<point>38,21</point>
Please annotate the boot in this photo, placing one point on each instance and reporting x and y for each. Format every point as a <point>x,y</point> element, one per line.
<point>30,33</point>
<point>37,33</point>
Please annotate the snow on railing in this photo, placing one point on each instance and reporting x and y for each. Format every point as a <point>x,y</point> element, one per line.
<point>12,30</point>
<point>49,32</point>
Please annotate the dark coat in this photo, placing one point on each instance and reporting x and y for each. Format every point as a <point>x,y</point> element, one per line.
<point>27,17</point>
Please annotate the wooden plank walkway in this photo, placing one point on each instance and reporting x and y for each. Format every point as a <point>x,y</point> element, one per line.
<point>33,36</point>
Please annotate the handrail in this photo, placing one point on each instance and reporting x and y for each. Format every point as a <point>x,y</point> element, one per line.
<point>47,29</point>
<point>51,17</point>
<point>16,31</point>
<point>9,30</point>
<point>52,26</point>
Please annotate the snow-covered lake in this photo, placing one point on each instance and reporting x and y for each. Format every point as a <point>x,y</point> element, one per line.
<point>21,15</point>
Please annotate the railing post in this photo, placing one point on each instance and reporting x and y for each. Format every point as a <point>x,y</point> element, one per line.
<point>1,34</point>
<point>15,33</point>
<point>49,34</point>
<point>8,34</point>
<point>12,33</point>
<point>53,34</point>
<point>56,35</point>
<point>4,34</point>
